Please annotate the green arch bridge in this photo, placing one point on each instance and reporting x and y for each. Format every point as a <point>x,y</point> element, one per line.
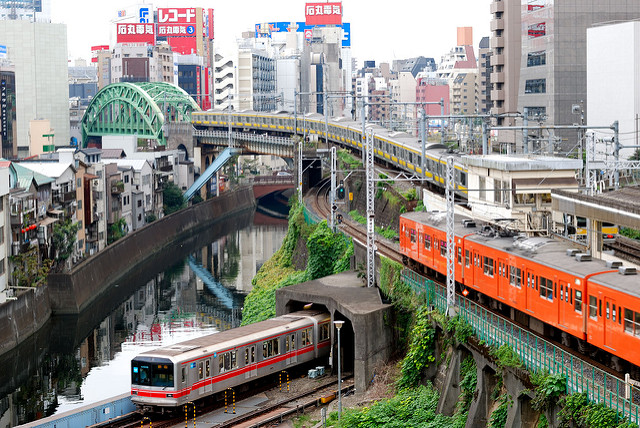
<point>136,109</point>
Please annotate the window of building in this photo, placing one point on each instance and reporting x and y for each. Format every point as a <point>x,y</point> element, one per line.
<point>497,191</point>
<point>79,204</point>
<point>535,59</point>
<point>482,184</point>
<point>2,267</point>
<point>126,178</point>
<point>535,86</point>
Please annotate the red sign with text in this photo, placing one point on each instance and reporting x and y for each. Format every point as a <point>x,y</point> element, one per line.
<point>177,15</point>
<point>323,13</point>
<point>183,45</point>
<point>136,33</point>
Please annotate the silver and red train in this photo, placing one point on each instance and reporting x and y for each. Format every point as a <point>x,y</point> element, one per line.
<point>538,281</point>
<point>173,375</point>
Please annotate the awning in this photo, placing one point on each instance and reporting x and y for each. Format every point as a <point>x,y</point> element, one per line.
<point>47,221</point>
<point>543,185</point>
<point>55,212</point>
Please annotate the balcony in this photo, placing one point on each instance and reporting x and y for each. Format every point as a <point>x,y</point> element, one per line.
<point>497,24</point>
<point>497,94</point>
<point>497,60</point>
<point>497,77</point>
<point>497,6</point>
<point>497,42</point>
<point>117,188</point>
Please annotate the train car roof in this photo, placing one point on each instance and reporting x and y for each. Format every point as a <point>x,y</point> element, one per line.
<point>233,337</point>
<point>546,251</point>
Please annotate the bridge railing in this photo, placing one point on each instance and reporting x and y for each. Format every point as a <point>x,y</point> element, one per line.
<point>537,355</point>
<point>245,136</point>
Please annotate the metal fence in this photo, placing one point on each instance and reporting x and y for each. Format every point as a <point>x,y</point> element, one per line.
<point>537,354</point>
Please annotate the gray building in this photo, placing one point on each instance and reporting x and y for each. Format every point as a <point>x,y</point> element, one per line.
<point>550,75</point>
<point>38,51</point>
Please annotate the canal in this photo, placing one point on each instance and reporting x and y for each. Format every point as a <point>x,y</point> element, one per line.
<point>75,361</point>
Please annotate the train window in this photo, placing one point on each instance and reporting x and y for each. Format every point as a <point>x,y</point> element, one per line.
<point>578,301</point>
<point>324,332</point>
<point>413,236</point>
<point>459,255</point>
<point>207,368</point>
<point>488,266</point>
<point>443,248</point>
<point>427,242</point>
<point>561,292</point>
<point>246,356</point>
<point>515,276</point>
<point>227,361</point>
<point>593,307</point>
<point>466,258</point>
<point>183,374</point>
<point>614,313</point>
<point>546,288</point>
<point>632,322</point>
<point>307,339</point>
<point>600,306</point>
<point>200,370</point>
<point>607,311</point>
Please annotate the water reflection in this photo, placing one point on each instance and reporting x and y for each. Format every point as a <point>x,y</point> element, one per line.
<point>199,294</point>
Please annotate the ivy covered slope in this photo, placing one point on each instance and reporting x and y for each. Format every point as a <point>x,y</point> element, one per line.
<point>327,253</point>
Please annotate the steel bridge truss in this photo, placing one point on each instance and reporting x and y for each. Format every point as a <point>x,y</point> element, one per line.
<point>136,109</point>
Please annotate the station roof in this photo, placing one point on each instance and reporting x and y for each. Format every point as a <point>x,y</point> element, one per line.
<point>522,163</point>
<point>621,207</point>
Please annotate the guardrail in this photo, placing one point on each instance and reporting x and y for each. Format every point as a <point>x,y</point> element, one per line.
<point>245,136</point>
<point>536,354</point>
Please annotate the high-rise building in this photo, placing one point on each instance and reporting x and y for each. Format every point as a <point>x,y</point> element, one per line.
<point>38,51</point>
<point>29,10</point>
<point>484,77</point>
<point>539,59</point>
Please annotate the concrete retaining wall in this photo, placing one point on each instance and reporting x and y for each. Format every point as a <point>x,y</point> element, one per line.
<point>71,293</point>
<point>20,318</point>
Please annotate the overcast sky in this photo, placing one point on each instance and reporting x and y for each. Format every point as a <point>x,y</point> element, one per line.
<point>380,30</point>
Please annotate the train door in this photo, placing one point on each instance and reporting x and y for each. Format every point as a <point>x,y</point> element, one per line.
<point>208,386</point>
<point>611,322</point>
<point>503,280</point>
<point>530,281</point>
<point>563,302</point>
<point>250,361</point>
<point>290,347</point>
<point>477,269</point>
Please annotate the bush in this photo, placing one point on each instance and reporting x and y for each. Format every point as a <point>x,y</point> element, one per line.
<point>420,353</point>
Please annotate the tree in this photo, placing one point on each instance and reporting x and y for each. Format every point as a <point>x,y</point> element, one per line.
<point>173,199</point>
<point>117,230</point>
<point>64,239</point>
<point>29,272</point>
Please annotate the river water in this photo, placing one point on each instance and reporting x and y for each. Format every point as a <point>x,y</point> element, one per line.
<point>63,367</point>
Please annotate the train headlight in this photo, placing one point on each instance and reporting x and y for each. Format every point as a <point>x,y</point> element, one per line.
<point>169,395</point>
<point>134,392</point>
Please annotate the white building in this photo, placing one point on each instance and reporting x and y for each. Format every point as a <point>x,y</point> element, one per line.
<point>613,84</point>
<point>39,53</point>
<point>141,180</point>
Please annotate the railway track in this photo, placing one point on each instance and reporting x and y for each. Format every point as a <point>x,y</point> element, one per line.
<point>573,360</point>
<point>274,411</point>
<point>318,199</point>
<point>625,248</point>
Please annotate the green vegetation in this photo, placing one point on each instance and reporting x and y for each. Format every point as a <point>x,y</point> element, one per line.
<point>499,415</point>
<point>348,161</point>
<point>549,388</point>
<point>629,233</point>
<point>577,411</point>
<point>420,353</point>
<point>410,195</point>
<point>116,231</point>
<point>505,356</point>
<point>385,232</point>
<point>173,199</point>
<point>64,239</point>
<point>328,253</point>
<point>28,272</point>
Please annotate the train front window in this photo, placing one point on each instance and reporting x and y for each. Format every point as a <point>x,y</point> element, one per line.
<point>152,373</point>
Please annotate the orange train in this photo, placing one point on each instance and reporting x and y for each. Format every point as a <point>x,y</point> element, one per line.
<point>542,282</point>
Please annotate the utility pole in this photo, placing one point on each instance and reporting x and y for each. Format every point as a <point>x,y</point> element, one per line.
<point>332,194</point>
<point>371,233</point>
<point>451,272</point>
<point>616,154</point>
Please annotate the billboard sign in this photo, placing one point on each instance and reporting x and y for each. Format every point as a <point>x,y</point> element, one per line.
<point>323,13</point>
<point>176,30</point>
<point>136,33</point>
<point>3,52</point>
<point>183,45</point>
<point>3,108</point>
<point>141,13</point>
<point>267,29</point>
<point>177,16</point>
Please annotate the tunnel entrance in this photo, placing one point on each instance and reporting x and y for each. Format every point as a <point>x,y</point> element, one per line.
<point>347,345</point>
